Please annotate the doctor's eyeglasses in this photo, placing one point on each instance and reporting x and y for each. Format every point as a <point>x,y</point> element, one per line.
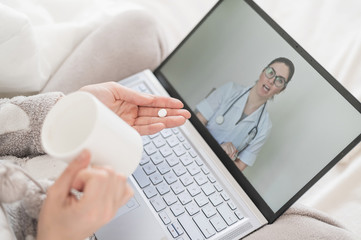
<point>278,81</point>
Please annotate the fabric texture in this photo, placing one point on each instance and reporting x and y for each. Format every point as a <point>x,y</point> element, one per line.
<point>22,139</point>
<point>6,232</point>
<point>37,36</point>
<point>112,52</point>
<point>301,222</point>
<point>25,141</point>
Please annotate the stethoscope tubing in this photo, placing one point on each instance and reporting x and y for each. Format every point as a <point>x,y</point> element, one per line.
<point>255,128</point>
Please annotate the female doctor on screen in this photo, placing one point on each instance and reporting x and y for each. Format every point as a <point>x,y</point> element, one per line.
<point>237,116</point>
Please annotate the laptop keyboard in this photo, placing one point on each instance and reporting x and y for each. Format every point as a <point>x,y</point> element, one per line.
<point>182,190</point>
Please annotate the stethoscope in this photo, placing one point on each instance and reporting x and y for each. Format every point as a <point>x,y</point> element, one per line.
<point>252,133</point>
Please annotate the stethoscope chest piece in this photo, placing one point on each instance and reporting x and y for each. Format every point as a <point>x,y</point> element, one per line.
<point>219,119</point>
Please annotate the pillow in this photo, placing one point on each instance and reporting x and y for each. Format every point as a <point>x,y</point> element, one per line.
<point>22,68</point>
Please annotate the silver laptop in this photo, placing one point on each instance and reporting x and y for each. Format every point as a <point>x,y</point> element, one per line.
<point>188,185</point>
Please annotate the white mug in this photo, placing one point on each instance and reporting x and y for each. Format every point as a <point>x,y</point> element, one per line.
<point>80,121</point>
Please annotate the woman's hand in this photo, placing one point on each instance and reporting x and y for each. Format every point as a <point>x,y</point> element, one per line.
<point>64,216</point>
<point>230,149</point>
<point>139,110</point>
<point>232,152</point>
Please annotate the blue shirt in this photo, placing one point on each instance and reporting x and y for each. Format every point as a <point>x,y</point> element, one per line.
<point>217,103</point>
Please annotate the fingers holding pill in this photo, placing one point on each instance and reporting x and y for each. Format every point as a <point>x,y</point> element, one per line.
<point>162,112</point>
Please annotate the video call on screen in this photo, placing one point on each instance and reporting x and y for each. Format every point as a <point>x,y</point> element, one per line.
<point>301,127</point>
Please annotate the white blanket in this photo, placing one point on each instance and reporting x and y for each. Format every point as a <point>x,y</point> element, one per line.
<point>37,36</point>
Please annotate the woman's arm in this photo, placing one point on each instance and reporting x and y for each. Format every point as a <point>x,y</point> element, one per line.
<point>201,118</point>
<point>241,165</point>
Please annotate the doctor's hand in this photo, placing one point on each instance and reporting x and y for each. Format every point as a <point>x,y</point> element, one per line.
<point>64,216</point>
<point>139,110</point>
<point>230,149</point>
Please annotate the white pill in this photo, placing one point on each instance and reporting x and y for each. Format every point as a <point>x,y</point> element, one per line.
<point>162,112</point>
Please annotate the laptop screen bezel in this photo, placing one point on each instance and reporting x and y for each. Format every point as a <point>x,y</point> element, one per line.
<point>268,213</point>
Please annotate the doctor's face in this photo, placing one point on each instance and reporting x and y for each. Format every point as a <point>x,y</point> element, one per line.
<point>272,80</point>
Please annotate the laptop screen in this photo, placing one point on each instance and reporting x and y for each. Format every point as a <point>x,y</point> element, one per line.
<point>281,119</point>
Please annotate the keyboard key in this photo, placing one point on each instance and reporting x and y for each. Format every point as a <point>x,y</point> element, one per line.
<point>149,168</point>
<point>170,177</point>
<point>200,179</point>
<point>211,178</point>
<point>157,158</point>
<point>170,199</point>
<point>175,130</point>
<point>192,153</point>
<point>178,228</point>
<point>201,200</point>
<point>153,135</point>
<point>172,160</point>
<point>209,211</point>
<point>158,203</point>
<point>205,170</point>
<point>219,188</point>
<point>179,170</point>
<point>198,161</point>
<point>156,178</point>
<point>166,133</point>
<point>232,205</point>
<point>165,151</point>
<point>186,145</point>
<point>165,218</point>
<point>186,179</point>
<point>145,140</point>
<point>218,223</point>
<point>150,191</point>
<point>193,189</point>
<point>181,138</point>
<point>190,227</point>
<point>208,189</point>
<point>227,214</point>
<point>172,231</point>
<point>173,141</point>
<point>193,169</point>
<point>163,168</point>
<point>177,209</point>
<point>225,196</point>
<point>150,149</point>
<point>159,141</point>
<point>192,208</point>
<point>239,215</point>
<point>186,159</point>
<point>204,225</point>
<point>145,159</point>
<point>177,188</point>
<point>163,188</point>
<point>216,199</point>
<point>184,198</point>
<point>141,178</point>
<point>179,150</point>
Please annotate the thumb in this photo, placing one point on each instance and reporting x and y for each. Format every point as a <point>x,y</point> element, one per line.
<point>63,184</point>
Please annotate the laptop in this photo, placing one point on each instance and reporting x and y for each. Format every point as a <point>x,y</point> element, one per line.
<point>187,186</point>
